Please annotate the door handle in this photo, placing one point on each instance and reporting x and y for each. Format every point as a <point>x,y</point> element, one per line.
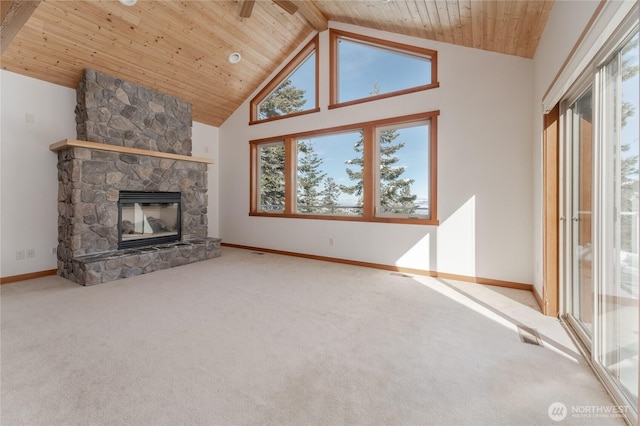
<point>575,219</point>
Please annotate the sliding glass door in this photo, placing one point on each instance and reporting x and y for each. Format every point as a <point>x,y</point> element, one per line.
<point>580,121</point>
<point>601,205</point>
<point>618,295</point>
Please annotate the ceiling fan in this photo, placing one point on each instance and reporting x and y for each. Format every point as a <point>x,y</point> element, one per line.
<point>246,6</point>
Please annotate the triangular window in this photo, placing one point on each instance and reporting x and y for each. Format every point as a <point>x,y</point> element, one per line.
<point>293,91</point>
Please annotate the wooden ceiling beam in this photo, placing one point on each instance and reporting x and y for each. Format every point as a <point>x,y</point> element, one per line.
<point>245,8</point>
<point>312,14</point>
<point>287,5</point>
<point>14,14</point>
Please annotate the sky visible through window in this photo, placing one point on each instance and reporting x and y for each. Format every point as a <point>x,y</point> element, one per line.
<point>304,77</point>
<point>336,149</point>
<point>363,68</point>
<point>629,92</point>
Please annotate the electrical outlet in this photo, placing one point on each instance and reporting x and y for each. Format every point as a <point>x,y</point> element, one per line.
<point>31,253</point>
<point>330,241</point>
<point>19,254</point>
<point>54,251</point>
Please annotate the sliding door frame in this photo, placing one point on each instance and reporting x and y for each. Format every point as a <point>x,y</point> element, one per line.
<point>590,346</point>
<point>551,212</point>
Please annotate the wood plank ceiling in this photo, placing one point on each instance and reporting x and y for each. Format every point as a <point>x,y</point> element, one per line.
<point>182,47</point>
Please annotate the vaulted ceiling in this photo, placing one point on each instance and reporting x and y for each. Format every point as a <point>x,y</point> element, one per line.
<point>182,47</point>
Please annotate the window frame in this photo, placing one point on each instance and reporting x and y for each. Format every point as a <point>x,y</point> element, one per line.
<point>336,35</point>
<point>377,171</point>
<point>291,67</point>
<point>256,174</point>
<point>369,175</point>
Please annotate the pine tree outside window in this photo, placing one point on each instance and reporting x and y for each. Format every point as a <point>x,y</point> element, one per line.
<point>271,163</point>
<point>320,170</point>
<point>379,171</point>
<point>293,91</point>
<point>402,180</point>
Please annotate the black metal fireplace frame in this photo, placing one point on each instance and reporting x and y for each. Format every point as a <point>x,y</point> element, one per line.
<point>131,197</point>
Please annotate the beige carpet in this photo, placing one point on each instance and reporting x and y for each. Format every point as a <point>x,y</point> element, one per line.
<point>268,339</point>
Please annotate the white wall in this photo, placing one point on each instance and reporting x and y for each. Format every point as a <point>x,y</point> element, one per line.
<point>484,172</point>
<point>28,174</point>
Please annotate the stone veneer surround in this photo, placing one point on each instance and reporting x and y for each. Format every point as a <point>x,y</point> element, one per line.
<point>90,181</point>
<point>137,139</point>
<point>118,112</point>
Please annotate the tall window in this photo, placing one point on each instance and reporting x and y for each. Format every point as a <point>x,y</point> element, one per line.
<point>380,171</point>
<point>402,180</point>
<point>293,91</point>
<point>364,68</point>
<point>271,177</point>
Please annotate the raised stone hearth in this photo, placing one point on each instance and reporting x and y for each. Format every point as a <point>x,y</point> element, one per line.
<point>130,138</point>
<point>103,267</point>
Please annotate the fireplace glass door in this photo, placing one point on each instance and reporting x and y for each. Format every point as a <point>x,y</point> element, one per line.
<point>148,218</point>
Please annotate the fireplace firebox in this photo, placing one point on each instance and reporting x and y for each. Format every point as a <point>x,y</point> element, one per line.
<point>148,218</point>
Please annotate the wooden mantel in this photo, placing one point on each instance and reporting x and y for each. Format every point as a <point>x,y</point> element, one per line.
<point>73,143</point>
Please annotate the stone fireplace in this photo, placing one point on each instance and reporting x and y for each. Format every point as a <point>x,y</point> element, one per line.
<point>131,198</point>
